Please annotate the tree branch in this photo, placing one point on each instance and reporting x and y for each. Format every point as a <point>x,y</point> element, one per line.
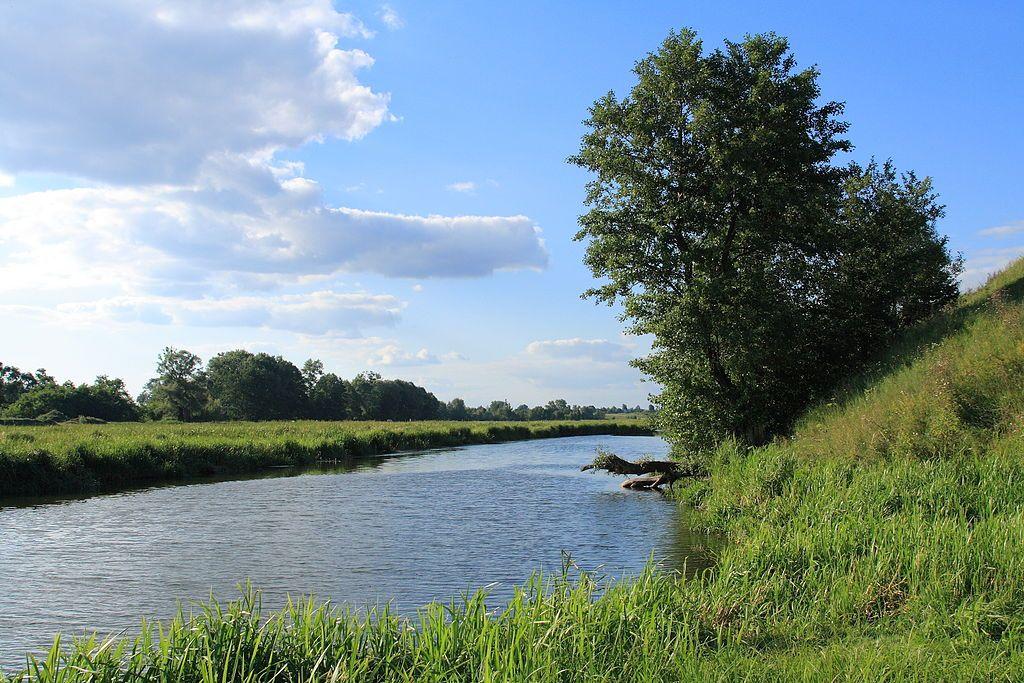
<point>725,263</point>
<point>651,474</point>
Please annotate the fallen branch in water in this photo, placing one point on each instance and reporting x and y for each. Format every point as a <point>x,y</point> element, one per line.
<point>651,474</point>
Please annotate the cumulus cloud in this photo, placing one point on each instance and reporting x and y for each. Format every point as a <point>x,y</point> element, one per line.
<point>471,186</point>
<point>175,116</point>
<point>315,313</point>
<point>245,221</point>
<point>1004,230</point>
<point>592,349</point>
<point>394,355</point>
<point>182,108</point>
<point>135,92</point>
<point>398,245</point>
<point>390,17</point>
<point>579,370</point>
<point>983,262</point>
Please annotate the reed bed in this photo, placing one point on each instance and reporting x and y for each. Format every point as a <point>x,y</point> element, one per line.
<point>654,627</point>
<point>83,458</point>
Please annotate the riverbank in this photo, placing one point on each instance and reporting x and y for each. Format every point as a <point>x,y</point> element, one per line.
<point>86,458</point>
<point>883,541</point>
<point>651,629</point>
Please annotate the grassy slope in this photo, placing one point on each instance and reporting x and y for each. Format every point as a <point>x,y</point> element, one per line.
<point>892,523</point>
<point>75,458</point>
<point>884,541</point>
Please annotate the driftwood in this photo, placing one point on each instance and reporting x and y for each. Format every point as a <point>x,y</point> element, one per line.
<point>651,475</point>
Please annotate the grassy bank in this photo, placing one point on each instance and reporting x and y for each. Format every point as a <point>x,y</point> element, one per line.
<point>884,541</point>
<point>651,629</point>
<point>79,458</point>
<point>894,517</point>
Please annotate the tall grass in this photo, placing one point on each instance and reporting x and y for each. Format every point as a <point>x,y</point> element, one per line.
<point>884,541</point>
<point>78,458</point>
<point>655,627</point>
<point>894,512</point>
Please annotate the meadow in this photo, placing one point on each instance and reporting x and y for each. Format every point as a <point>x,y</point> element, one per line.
<point>83,458</point>
<point>883,541</point>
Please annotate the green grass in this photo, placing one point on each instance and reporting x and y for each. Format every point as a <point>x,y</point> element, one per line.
<point>883,541</point>
<point>652,628</point>
<point>81,458</point>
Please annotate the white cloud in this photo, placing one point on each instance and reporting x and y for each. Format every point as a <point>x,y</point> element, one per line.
<point>1004,230</point>
<point>390,17</point>
<point>592,349</point>
<point>182,107</point>
<point>536,377</point>
<point>398,245</point>
<point>470,186</point>
<point>174,116</point>
<point>137,92</point>
<point>243,224</point>
<point>393,355</point>
<point>315,313</point>
<point>283,16</point>
<point>984,262</point>
<point>417,287</point>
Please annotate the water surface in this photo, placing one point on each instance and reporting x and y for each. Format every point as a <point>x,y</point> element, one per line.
<point>406,529</point>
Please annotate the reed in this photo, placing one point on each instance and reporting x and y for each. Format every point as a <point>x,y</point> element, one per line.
<point>82,458</point>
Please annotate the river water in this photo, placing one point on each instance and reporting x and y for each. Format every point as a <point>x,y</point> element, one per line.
<point>408,529</point>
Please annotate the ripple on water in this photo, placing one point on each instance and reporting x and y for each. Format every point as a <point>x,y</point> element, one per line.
<point>406,529</point>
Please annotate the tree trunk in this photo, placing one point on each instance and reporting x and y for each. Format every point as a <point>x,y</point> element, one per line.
<point>651,474</point>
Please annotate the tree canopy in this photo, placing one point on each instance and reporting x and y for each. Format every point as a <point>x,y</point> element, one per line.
<point>718,220</point>
<point>240,385</point>
<point>105,399</point>
<point>248,386</point>
<point>179,389</point>
<point>14,383</point>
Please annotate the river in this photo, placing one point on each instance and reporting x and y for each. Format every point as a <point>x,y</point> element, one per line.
<point>407,528</point>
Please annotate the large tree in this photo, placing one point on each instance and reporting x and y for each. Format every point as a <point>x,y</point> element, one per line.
<point>247,386</point>
<point>890,268</point>
<point>375,398</point>
<point>715,220</point>
<point>329,398</point>
<point>179,389</point>
<point>456,409</point>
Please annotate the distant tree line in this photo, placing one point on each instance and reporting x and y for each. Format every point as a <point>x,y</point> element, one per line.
<point>31,395</point>
<point>239,385</point>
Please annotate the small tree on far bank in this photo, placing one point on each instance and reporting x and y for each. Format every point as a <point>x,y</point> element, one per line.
<point>106,399</point>
<point>179,389</point>
<point>14,383</point>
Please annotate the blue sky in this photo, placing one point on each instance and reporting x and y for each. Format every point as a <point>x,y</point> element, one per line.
<point>384,186</point>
